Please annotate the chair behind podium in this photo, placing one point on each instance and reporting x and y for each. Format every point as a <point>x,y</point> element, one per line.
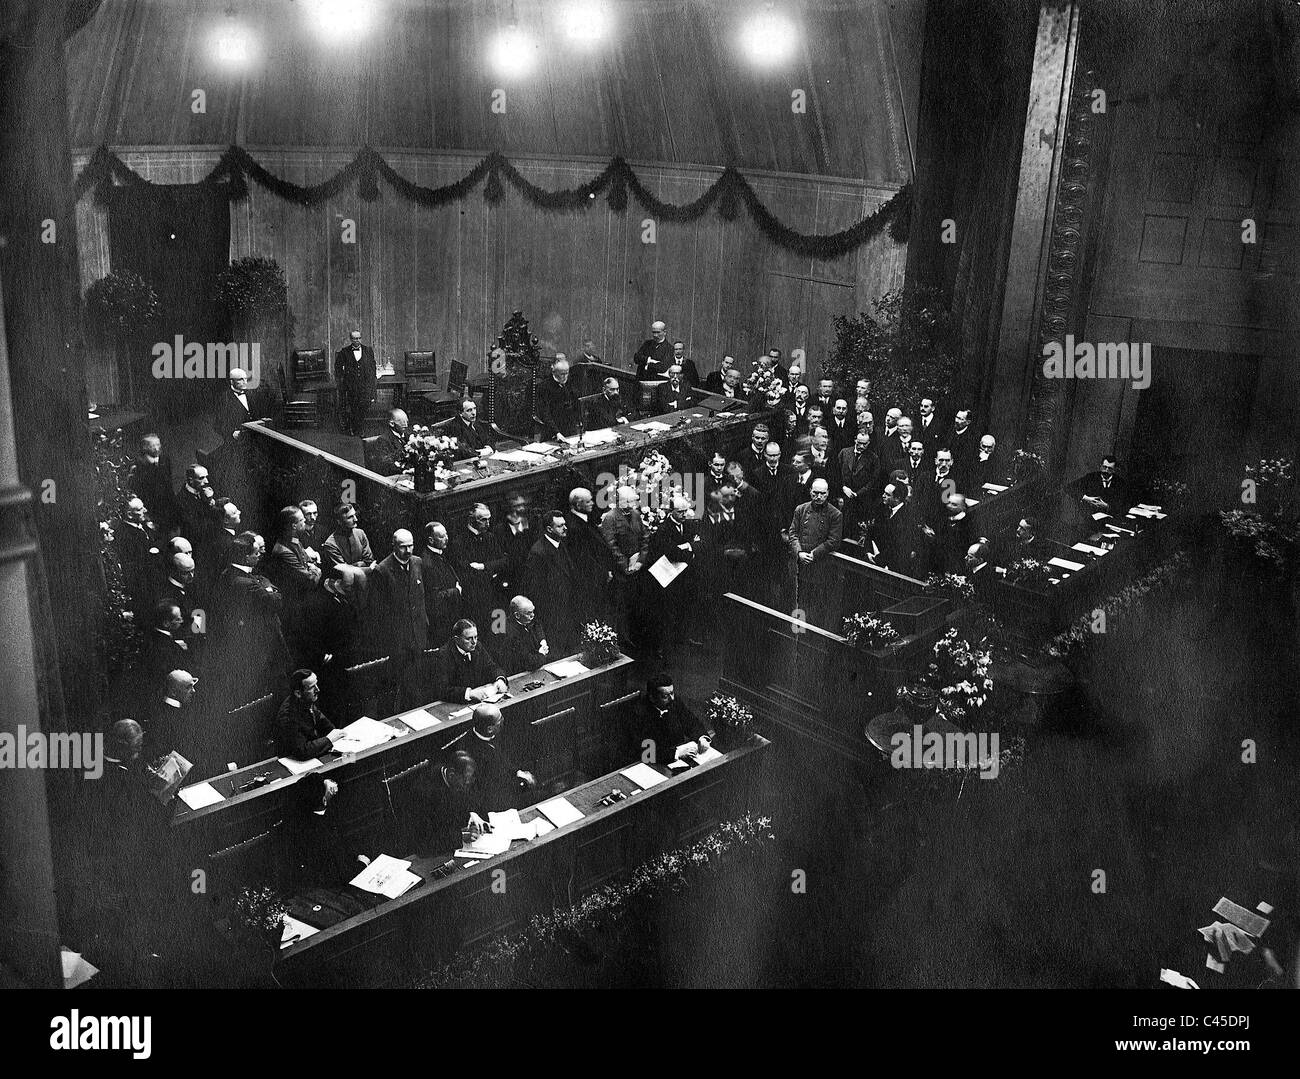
<point>314,390</point>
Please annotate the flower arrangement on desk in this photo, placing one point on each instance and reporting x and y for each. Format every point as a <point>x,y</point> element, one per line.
<point>656,484</point>
<point>758,382</point>
<point>1026,464</point>
<point>599,644</point>
<point>960,674</point>
<point>865,630</point>
<point>1169,493</point>
<point>258,911</point>
<point>727,713</point>
<point>953,586</point>
<point>424,446</point>
<point>1030,573</point>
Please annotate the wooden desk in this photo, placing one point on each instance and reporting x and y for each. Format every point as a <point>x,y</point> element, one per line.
<point>292,468</point>
<point>246,814</point>
<point>441,916</point>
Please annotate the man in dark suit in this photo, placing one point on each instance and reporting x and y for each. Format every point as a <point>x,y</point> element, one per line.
<point>951,538</point>
<point>657,723</point>
<point>196,506</point>
<point>671,608</point>
<point>384,453</point>
<point>623,531</point>
<point>151,479</point>
<point>715,382</point>
<point>169,719</point>
<point>726,547</point>
<point>929,428</point>
<point>859,473</point>
<point>842,426</point>
<point>825,396</point>
<point>1026,543</point>
<point>892,539</point>
<point>139,552</point>
<point>558,406</point>
<point>326,625</point>
<point>500,784</point>
<point>551,581</point>
<point>797,484</point>
<point>303,731</point>
<point>515,536</point>
<point>593,565</point>
<point>933,489</point>
<point>354,370</point>
<point>246,608</point>
<point>443,594</point>
<point>689,371</point>
<point>894,453</point>
<point>962,440</point>
<point>164,650</point>
<point>752,458</point>
<point>480,566</point>
<point>290,567</point>
<point>1105,490</point>
<point>979,570</point>
<point>525,647</point>
<point>986,467</point>
<point>238,405</point>
<point>401,614</point>
<point>606,410</point>
<point>674,394</point>
<point>472,437</point>
<point>653,356</point>
<point>463,671</point>
<point>816,527</point>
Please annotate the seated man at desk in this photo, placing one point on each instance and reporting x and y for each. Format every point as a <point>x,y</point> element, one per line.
<point>471,436</point>
<point>463,671</point>
<point>316,852</point>
<point>384,453</point>
<point>558,406</point>
<point>1103,490</point>
<point>657,724</point>
<point>454,795</point>
<point>303,731</point>
<point>500,785</point>
<point>606,410</point>
<point>525,647</point>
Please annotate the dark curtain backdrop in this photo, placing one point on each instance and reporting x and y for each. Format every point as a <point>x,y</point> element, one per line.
<point>177,237</point>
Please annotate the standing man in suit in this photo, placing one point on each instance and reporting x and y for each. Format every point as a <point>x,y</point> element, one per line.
<point>151,479</point>
<point>929,431</point>
<point>653,356</point>
<point>592,562</point>
<point>607,410</point>
<point>402,617</point>
<point>480,565</point>
<point>290,567</point>
<point>237,406</point>
<point>347,545</point>
<point>670,608</point>
<point>354,370</point>
<point>551,581</point>
<point>525,647</point>
<point>842,427</point>
<point>816,529</point>
<point>196,505</point>
<point>951,538</point>
<point>558,406</point>
<point>859,473</point>
<point>515,536</point>
<point>673,394</point>
<point>139,551</point>
<point>892,539</point>
<point>962,441</point>
<point>442,590</point>
<point>986,466</point>
<point>689,371</point>
<point>247,610</point>
<point>624,534</point>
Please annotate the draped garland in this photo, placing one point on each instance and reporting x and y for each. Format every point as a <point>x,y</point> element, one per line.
<point>617,181</point>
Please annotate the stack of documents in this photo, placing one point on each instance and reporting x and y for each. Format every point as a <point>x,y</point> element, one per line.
<point>518,457</point>
<point>1063,563</point>
<point>653,427</point>
<point>1143,510</point>
<point>1088,548</point>
<point>642,775</point>
<point>565,668</point>
<point>298,767</point>
<point>200,795</point>
<point>665,572</point>
<point>560,811</point>
<point>295,931</point>
<point>364,733</point>
<point>597,438</point>
<point>509,825</point>
<point>386,876</point>
<point>485,846</point>
<point>994,488</point>
<point>419,719</point>
<point>541,447</point>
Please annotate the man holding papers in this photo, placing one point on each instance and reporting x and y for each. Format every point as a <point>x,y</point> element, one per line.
<point>302,730</point>
<point>463,671</point>
<point>669,555</point>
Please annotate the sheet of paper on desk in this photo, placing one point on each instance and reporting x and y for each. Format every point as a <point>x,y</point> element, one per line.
<point>295,931</point>
<point>1100,516</point>
<point>642,775</point>
<point>386,876</point>
<point>487,845</point>
<point>1063,563</point>
<point>709,754</point>
<point>560,811</point>
<point>494,695</point>
<point>653,427</point>
<point>541,447</point>
<point>298,767</point>
<point>75,969</point>
<point>364,733</point>
<point>462,711</point>
<point>1087,548</point>
<point>419,719</point>
<point>994,488</point>
<point>518,457</point>
<point>200,795</point>
<point>599,438</point>
<point>565,668</point>
<point>666,572</point>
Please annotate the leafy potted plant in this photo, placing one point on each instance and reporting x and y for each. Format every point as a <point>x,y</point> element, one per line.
<point>733,722</point>
<point>1029,573</point>
<point>599,644</point>
<point>257,914</point>
<point>254,293</point>
<point>122,308</point>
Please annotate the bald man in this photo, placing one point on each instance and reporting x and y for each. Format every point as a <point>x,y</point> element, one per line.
<point>500,784</point>
<point>354,370</point>
<point>654,355</point>
<point>384,452</point>
<point>396,589</point>
<point>525,647</point>
<point>558,406</point>
<point>168,726</point>
<point>238,404</point>
<point>592,560</point>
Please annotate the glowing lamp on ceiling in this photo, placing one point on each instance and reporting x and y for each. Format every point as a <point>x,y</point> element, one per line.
<point>234,46</point>
<point>585,23</point>
<point>512,53</point>
<point>769,38</point>
<point>340,20</point>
